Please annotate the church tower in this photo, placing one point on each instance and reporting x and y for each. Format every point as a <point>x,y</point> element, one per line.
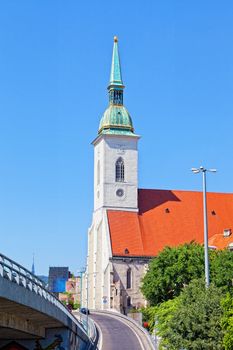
<point>115,150</point>
<point>115,188</point>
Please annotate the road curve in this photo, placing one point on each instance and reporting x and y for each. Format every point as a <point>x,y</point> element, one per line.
<point>116,335</point>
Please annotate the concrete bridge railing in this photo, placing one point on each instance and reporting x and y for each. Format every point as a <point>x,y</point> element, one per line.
<point>16,273</point>
<point>19,287</point>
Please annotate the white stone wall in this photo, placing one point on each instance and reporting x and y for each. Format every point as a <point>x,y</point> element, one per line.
<point>98,264</point>
<point>108,148</point>
<point>99,158</point>
<point>88,281</point>
<point>121,293</point>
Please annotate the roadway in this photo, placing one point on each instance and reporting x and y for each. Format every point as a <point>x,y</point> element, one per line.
<point>116,334</point>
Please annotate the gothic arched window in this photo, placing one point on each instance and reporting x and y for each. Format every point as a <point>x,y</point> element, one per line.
<point>129,278</point>
<point>120,170</point>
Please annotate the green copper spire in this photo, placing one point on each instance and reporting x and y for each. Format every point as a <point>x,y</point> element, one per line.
<point>115,76</point>
<point>116,84</point>
<point>116,119</point>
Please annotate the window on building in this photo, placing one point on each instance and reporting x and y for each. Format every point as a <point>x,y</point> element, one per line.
<point>129,278</point>
<point>98,172</point>
<point>128,301</point>
<point>120,170</point>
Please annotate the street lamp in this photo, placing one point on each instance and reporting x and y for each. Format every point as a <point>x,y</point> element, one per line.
<point>81,272</point>
<point>203,171</point>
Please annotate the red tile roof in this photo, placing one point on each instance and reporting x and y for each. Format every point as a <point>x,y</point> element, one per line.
<point>220,242</point>
<point>168,218</point>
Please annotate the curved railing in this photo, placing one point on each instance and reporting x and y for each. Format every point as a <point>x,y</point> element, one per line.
<point>18,274</point>
<point>88,325</point>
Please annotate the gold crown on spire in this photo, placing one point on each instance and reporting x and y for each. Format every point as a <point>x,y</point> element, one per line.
<point>115,39</point>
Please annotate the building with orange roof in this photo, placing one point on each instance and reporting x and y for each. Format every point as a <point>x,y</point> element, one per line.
<point>131,225</point>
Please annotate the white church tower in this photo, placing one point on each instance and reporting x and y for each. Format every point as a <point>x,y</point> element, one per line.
<point>115,187</point>
<point>115,150</point>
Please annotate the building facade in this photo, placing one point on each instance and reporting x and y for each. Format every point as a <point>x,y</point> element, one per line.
<point>58,277</point>
<point>131,225</point>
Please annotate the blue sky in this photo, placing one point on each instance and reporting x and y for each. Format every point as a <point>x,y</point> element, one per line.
<point>55,56</point>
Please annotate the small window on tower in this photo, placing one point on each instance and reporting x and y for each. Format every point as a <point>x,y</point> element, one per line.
<point>120,170</point>
<point>98,172</point>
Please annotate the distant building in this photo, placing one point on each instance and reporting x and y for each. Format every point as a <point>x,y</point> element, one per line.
<point>58,276</point>
<point>72,294</point>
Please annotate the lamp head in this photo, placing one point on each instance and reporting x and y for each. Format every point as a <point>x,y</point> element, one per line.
<point>195,170</point>
<point>212,170</point>
<point>202,169</point>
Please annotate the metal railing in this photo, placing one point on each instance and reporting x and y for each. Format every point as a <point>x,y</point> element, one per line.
<point>18,274</point>
<point>88,324</point>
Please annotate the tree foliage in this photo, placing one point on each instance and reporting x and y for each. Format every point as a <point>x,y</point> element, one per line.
<point>193,320</point>
<point>221,269</point>
<point>176,267</point>
<point>171,270</point>
<point>227,322</point>
<point>164,311</point>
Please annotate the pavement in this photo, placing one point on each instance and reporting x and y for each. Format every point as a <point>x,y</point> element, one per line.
<point>116,334</point>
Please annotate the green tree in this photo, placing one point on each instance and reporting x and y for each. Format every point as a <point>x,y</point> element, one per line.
<point>221,268</point>
<point>195,321</point>
<point>227,322</point>
<point>163,311</point>
<point>174,268</point>
<point>171,270</point>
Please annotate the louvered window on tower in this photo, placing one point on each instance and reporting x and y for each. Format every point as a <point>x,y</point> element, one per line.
<point>120,170</point>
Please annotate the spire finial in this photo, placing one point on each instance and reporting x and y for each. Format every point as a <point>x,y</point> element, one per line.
<point>115,39</point>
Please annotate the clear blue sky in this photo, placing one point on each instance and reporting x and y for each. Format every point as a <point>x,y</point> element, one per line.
<point>177,64</point>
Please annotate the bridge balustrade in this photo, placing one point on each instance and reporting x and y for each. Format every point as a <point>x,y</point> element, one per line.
<point>16,273</point>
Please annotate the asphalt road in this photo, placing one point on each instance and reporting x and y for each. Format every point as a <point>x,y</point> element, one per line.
<point>115,334</point>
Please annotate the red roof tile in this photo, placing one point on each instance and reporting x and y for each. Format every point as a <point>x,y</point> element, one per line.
<point>220,242</point>
<point>167,218</point>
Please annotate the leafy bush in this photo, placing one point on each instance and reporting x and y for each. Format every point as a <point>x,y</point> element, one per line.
<point>76,306</point>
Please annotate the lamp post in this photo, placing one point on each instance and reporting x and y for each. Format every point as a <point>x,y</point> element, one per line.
<point>203,171</point>
<point>81,272</point>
